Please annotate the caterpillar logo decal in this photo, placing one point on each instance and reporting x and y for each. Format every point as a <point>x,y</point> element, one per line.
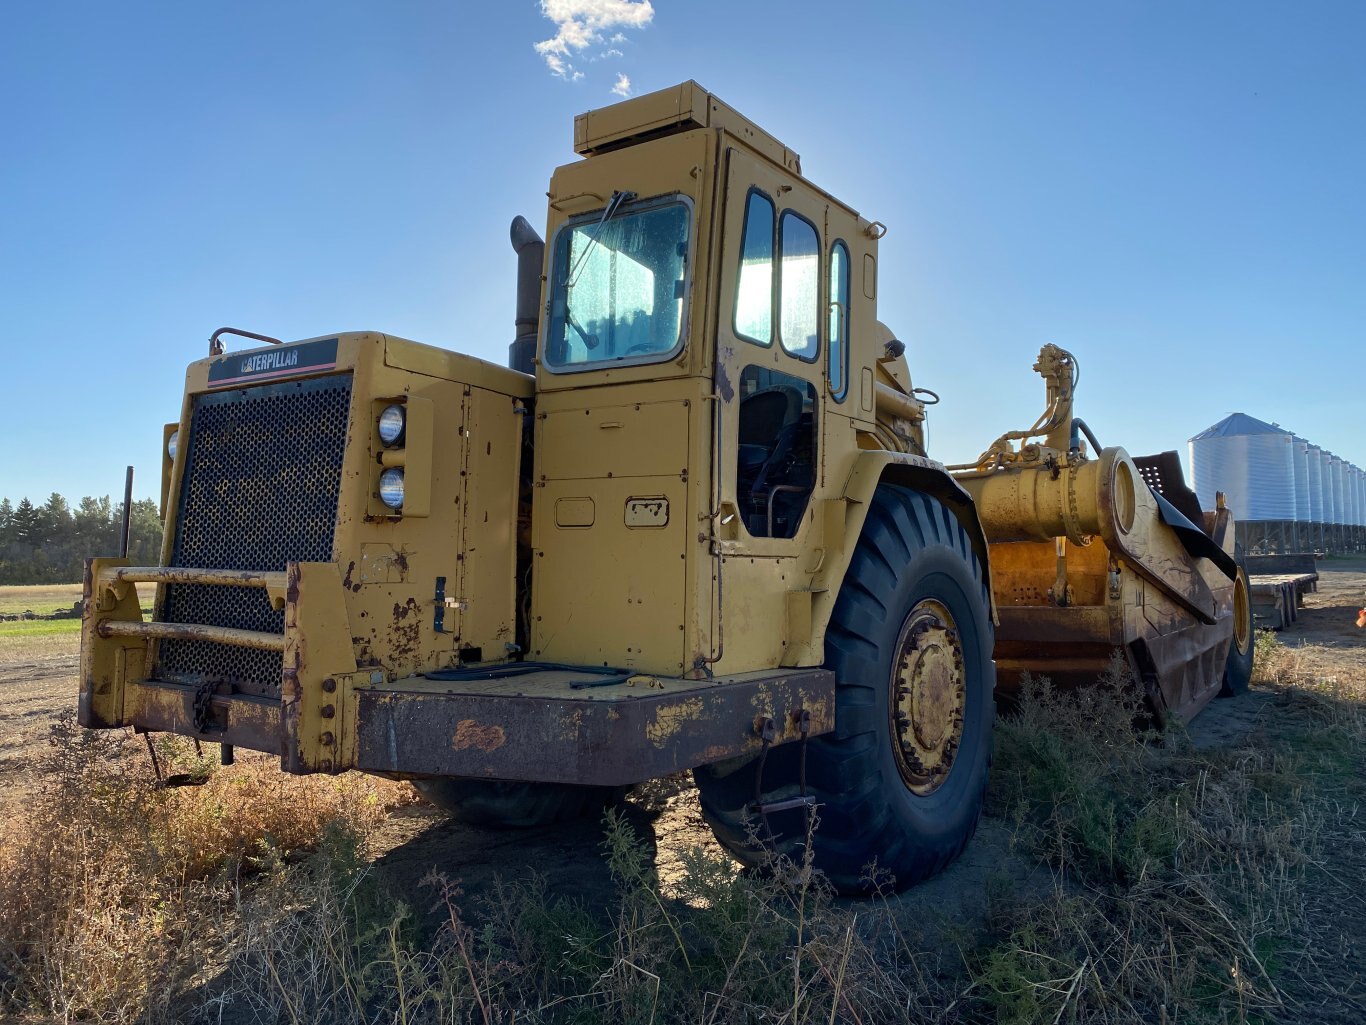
<point>280,361</point>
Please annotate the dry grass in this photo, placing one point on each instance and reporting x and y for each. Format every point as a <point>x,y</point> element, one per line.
<point>1187,886</point>
<point>114,890</point>
<point>25,647</point>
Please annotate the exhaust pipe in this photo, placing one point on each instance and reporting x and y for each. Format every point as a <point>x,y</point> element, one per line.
<point>530,250</point>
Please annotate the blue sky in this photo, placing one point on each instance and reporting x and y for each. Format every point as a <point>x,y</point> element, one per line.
<point>1176,192</point>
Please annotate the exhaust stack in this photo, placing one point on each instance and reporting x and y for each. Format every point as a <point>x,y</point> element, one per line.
<point>530,250</point>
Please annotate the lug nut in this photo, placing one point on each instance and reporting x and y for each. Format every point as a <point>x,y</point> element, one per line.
<point>328,711</point>
<point>329,685</point>
<point>327,739</point>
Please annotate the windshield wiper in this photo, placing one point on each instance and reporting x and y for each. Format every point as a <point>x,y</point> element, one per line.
<point>613,205</point>
<point>590,340</point>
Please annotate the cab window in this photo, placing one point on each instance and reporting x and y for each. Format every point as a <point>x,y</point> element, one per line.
<point>839,320</point>
<point>618,286</point>
<point>799,287</point>
<point>754,287</point>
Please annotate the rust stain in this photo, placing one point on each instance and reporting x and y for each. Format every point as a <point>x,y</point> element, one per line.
<point>346,581</point>
<point>670,719</point>
<point>485,737</point>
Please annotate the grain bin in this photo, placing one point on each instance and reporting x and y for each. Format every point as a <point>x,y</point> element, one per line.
<point>1315,466</point>
<point>1330,508</point>
<point>1351,490</point>
<point>1253,463</point>
<point>1300,459</point>
<point>1339,499</point>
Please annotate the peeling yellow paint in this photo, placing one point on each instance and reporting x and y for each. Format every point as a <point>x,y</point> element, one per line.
<point>572,724</point>
<point>669,719</point>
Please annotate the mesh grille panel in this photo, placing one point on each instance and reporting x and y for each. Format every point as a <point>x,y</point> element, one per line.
<point>262,475</point>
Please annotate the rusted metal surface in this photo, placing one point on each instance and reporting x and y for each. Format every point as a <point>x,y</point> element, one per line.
<point>183,575</point>
<point>1070,646</point>
<point>106,664</point>
<point>193,632</point>
<point>539,727</point>
<point>315,715</point>
<point>929,694</point>
<point>240,720</point>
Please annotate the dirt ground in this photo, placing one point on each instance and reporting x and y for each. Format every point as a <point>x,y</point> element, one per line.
<point>38,684</point>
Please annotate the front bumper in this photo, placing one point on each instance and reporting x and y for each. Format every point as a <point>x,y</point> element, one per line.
<point>547,725</point>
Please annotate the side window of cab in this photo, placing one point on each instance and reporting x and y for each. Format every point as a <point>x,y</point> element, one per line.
<point>837,366</point>
<point>789,299</point>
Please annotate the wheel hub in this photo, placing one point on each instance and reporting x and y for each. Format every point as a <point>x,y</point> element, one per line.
<point>928,695</point>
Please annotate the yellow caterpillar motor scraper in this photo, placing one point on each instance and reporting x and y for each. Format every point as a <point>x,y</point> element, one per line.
<point>692,526</point>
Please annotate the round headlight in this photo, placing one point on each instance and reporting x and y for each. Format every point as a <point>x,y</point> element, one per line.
<point>391,487</point>
<point>171,444</point>
<point>391,424</point>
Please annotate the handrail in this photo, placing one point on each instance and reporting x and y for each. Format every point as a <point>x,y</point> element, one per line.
<point>118,579</point>
<point>189,575</point>
<point>192,632</point>
<point>216,347</point>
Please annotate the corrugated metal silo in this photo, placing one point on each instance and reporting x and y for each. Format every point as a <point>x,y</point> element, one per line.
<point>1350,479</point>
<point>1300,465</point>
<point>1330,509</point>
<point>1339,499</point>
<point>1315,463</point>
<point>1251,462</point>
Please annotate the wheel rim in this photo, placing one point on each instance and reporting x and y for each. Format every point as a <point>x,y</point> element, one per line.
<point>928,697</point>
<point>1242,614</point>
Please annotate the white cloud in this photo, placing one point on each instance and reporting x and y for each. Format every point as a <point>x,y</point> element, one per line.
<point>580,24</point>
<point>623,86</point>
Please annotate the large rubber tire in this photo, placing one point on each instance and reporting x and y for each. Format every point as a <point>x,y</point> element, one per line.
<point>506,805</point>
<point>1238,666</point>
<point>912,552</point>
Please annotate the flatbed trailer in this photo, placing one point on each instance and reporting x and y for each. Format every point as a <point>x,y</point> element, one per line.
<point>1278,584</point>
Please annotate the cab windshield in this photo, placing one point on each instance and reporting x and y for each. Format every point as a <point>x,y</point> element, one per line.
<point>617,286</point>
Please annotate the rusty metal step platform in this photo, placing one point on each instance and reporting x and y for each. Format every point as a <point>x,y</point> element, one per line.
<point>560,725</point>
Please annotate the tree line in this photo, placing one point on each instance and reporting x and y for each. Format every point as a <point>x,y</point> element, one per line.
<point>49,543</point>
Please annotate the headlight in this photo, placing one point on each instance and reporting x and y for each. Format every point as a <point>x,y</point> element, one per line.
<point>391,487</point>
<point>391,424</point>
<point>171,444</point>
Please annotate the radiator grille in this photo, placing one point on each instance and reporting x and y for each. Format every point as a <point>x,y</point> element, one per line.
<point>260,486</point>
